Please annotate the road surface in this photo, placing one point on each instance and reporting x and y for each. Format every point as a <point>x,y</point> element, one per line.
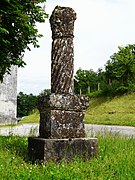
<point>91,130</point>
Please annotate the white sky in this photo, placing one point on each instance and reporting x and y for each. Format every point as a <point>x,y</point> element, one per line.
<point>101,26</point>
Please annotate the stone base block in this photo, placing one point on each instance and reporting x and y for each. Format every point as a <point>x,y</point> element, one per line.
<point>61,124</point>
<point>61,116</point>
<point>58,150</point>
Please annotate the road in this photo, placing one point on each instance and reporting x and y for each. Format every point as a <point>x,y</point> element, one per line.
<point>91,130</point>
<point>94,129</point>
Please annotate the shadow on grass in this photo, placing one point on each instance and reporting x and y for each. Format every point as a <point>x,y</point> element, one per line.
<point>95,102</point>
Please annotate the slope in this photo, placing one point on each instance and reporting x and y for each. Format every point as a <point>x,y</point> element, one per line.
<point>112,111</point>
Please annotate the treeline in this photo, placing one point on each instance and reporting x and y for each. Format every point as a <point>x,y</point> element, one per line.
<point>26,103</point>
<point>117,77</point>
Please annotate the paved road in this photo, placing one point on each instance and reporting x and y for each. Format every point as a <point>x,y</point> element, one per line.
<point>94,129</point>
<point>91,130</point>
<point>21,130</point>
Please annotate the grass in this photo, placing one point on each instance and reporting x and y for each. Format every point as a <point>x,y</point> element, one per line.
<point>32,118</point>
<point>115,161</point>
<point>116,111</point>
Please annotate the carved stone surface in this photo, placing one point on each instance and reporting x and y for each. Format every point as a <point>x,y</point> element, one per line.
<point>62,22</point>
<point>62,68</point>
<point>61,116</point>
<point>67,124</point>
<point>61,124</point>
<point>64,102</point>
<point>58,150</point>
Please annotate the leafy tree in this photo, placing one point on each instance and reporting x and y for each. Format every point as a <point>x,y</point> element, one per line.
<point>80,81</point>
<point>85,81</point>
<point>120,70</point>
<point>18,20</point>
<point>101,79</point>
<point>25,104</point>
<point>117,78</point>
<point>92,80</point>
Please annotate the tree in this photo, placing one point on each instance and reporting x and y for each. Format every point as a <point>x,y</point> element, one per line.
<point>120,69</point>
<point>25,104</point>
<point>18,20</point>
<point>85,81</point>
<point>101,79</point>
<point>91,80</point>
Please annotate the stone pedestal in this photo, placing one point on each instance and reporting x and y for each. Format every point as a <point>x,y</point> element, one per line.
<point>58,150</point>
<point>61,116</point>
<point>62,132</point>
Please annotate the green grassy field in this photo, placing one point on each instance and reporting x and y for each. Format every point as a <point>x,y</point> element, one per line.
<point>116,111</point>
<point>102,110</point>
<point>32,118</point>
<point>115,161</point>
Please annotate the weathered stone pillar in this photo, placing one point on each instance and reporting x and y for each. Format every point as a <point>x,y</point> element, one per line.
<point>62,132</point>
<point>62,26</point>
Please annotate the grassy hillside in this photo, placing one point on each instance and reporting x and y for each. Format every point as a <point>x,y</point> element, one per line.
<point>113,111</point>
<point>102,110</point>
<point>32,118</point>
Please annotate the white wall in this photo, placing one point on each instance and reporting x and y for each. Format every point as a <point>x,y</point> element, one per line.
<point>8,98</point>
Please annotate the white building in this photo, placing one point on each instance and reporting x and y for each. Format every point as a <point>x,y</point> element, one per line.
<point>8,98</point>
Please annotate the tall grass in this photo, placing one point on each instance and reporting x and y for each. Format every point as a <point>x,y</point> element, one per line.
<point>115,161</point>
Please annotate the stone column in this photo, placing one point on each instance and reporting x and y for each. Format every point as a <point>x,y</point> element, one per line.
<point>62,68</point>
<point>62,132</point>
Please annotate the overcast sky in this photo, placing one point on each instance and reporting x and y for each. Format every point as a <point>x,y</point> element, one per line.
<point>101,26</point>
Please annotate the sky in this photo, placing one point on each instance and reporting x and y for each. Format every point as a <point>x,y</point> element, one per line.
<point>101,26</point>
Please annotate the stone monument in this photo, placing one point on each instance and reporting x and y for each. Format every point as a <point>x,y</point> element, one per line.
<point>8,98</point>
<point>62,132</point>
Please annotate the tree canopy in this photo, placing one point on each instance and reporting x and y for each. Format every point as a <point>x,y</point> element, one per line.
<point>85,81</point>
<point>117,78</point>
<point>121,67</point>
<point>18,29</point>
<point>25,104</point>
